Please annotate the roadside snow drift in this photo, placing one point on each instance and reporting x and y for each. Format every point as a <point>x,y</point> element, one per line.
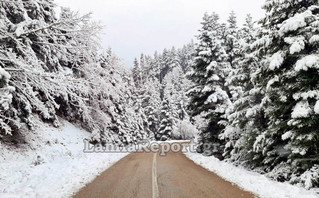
<point>52,164</point>
<point>251,181</point>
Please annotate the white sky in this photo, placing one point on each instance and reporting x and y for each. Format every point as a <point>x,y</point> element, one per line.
<point>133,27</point>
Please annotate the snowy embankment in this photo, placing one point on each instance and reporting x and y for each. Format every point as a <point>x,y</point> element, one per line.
<point>53,164</point>
<point>251,181</point>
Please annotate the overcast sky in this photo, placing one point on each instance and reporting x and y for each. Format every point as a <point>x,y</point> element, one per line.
<point>133,27</point>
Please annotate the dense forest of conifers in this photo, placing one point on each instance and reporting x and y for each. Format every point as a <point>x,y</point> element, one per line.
<point>257,88</point>
<point>250,89</point>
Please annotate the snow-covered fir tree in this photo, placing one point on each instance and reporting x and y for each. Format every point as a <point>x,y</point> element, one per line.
<point>151,103</point>
<point>231,42</point>
<point>288,46</point>
<point>136,73</point>
<point>232,46</point>
<point>246,118</point>
<point>209,97</point>
<point>166,126</point>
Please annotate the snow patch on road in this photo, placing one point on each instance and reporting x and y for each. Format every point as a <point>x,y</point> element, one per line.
<point>256,183</point>
<point>52,164</point>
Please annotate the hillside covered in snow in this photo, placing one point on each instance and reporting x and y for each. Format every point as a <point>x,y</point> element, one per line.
<point>51,65</point>
<point>52,164</point>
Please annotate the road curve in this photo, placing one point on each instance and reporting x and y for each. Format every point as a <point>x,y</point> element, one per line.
<point>177,177</point>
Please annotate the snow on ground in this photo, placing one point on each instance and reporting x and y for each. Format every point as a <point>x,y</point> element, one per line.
<point>258,184</point>
<point>63,168</point>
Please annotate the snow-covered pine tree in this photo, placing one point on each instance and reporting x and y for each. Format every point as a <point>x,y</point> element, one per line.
<point>137,73</point>
<point>185,56</point>
<point>232,47</point>
<point>144,63</point>
<point>167,61</point>
<point>231,43</point>
<point>208,97</point>
<point>246,118</point>
<point>174,92</point>
<point>288,45</point>
<point>155,67</point>
<point>166,126</point>
<point>234,54</point>
<point>151,104</point>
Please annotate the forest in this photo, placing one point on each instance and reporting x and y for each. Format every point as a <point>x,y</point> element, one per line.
<point>251,89</point>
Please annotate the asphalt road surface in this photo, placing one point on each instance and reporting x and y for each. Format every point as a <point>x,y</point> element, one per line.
<point>149,175</point>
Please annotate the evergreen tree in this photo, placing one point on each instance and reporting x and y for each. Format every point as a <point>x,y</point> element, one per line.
<point>151,105</point>
<point>288,45</point>
<point>234,55</point>
<point>166,126</point>
<point>208,97</point>
<point>246,118</point>
<point>136,72</point>
<point>175,88</point>
<point>231,42</point>
<point>185,56</point>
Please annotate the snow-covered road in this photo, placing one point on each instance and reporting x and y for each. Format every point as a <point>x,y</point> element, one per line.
<point>175,176</point>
